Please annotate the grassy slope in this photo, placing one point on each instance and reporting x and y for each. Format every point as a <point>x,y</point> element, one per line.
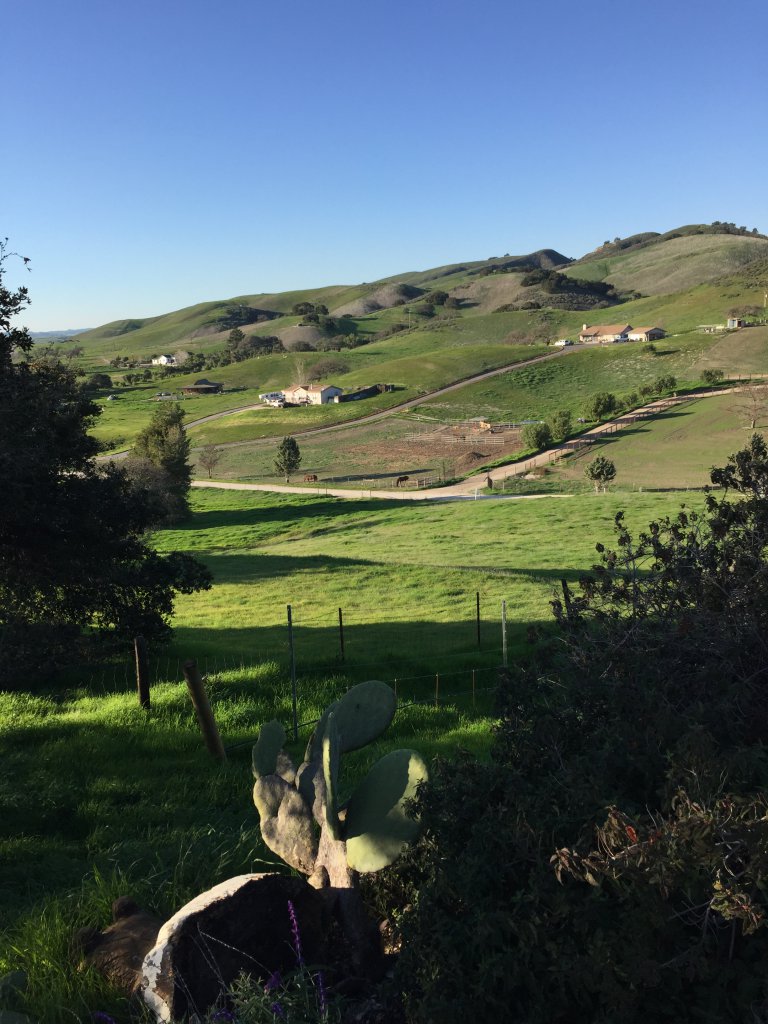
<point>674,265</point>
<point>436,352</point>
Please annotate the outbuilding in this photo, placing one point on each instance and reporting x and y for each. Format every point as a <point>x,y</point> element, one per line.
<point>646,334</point>
<point>203,387</point>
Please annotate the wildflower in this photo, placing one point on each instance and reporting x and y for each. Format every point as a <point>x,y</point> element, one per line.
<point>296,934</point>
<point>102,1018</point>
<point>225,1015</point>
<point>273,981</point>
<point>278,1011</point>
<point>322,998</point>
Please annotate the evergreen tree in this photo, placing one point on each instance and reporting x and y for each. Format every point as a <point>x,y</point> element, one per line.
<point>288,458</point>
<point>164,443</point>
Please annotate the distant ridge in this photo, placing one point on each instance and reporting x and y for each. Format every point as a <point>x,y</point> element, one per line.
<point>645,264</point>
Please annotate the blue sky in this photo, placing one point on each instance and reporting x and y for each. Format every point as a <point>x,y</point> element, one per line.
<point>160,154</point>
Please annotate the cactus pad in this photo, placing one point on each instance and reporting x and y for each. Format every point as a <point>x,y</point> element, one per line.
<point>268,746</point>
<point>286,822</point>
<point>363,713</point>
<point>331,757</point>
<point>376,827</point>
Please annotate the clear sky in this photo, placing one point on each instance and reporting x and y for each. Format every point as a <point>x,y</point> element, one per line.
<point>157,154</point>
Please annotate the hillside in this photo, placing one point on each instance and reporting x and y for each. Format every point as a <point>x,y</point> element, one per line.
<point>671,264</point>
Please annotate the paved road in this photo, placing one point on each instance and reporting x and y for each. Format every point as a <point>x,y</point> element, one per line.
<point>470,488</point>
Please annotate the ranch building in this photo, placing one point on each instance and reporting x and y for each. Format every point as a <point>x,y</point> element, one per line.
<point>203,387</point>
<point>312,394</point>
<point>604,334</point>
<point>646,334</point>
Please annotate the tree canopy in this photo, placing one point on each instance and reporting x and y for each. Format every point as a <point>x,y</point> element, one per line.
<point>288,457</point>
<point>74,563</point>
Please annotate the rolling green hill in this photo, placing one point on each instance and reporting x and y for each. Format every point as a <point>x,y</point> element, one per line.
<point>673,264</point>
<point>689,276</point>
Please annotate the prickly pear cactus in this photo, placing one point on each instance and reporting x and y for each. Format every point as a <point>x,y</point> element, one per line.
<point>301,820</point>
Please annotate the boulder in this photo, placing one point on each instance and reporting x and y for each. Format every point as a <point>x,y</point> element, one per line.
<point>242,924</point>
<point>118,951</point>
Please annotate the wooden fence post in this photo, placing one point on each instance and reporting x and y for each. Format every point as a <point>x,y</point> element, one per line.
<point>504,633</point>
<point>142,670</point>
<point>294,695</point>
<point>203,711</point>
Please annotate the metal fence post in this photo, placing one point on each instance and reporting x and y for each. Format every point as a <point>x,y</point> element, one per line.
<point>294,696</point>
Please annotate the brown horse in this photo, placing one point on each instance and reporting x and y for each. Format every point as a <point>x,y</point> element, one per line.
<point>401,480</point>
<point>310,478</point>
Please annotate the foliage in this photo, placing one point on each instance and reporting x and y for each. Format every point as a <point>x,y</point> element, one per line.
<point>537,435</point>
<point>72,557</point>
<point>99,382</point>
<point>209,458</point>
<point>600,471</point>
<point>562,422</point>
<point>712,376</point>
<point>297,997</point>
<point>327,368</point>
<point>288,457</point>
<point>164,442</point>
<point>650,701</point>
<point>600,405</point>
<point>664,383</point>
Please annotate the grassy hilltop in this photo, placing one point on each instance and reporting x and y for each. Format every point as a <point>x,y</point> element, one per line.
<point>423,330</point>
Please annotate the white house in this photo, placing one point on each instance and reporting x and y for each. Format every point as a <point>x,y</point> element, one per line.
<point>164,360</point>
<point>312,394</point>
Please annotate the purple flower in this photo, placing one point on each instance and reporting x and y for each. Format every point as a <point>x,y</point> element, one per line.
<point>296,934</point>
<point>103,1018</point>
<point>322,998</point>
<point>224,1015</point>
<point>273,981</point>
<point>278,1011</point>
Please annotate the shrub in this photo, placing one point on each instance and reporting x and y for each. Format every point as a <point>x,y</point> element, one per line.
<point>600,405</point>
<point>537,435</point>
<point>535,904</point>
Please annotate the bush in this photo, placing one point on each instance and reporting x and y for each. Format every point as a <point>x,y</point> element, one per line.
<point>712,376</point>
<point>537,435</point>
<point>600,405</point>
<point>326,368</point>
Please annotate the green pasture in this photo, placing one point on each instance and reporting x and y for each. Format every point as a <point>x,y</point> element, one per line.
<point>536,392</point>
<point>364,454</point>
<point>675,450</point>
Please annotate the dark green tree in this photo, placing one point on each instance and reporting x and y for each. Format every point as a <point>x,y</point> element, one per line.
<point>164,443</point>
<point>288,458</point>
<point>74,566</point>
<point>600,405</point>
<point>537,435</point>
<point>561,424</point>
<point>712,376</point>
<point>600,471</point>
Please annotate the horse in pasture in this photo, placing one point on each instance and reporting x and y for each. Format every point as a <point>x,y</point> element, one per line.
<point>401,480</point>
<point>310,478</point>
